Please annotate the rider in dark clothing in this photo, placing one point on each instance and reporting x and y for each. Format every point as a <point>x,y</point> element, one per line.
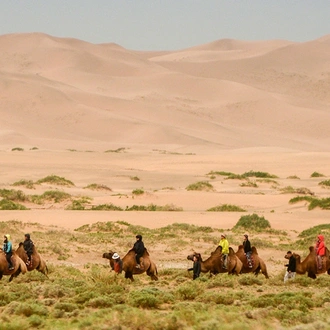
<point>196,267</point>
<point>139,249</point>
<point>247,249</point>
<point>28,247</point>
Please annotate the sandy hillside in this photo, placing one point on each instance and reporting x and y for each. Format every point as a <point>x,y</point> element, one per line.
<point>104,114</point>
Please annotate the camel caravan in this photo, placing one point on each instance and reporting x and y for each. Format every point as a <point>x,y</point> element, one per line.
<point>25,258</point>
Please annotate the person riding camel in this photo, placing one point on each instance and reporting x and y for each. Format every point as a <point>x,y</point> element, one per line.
<point>247,250</point>
<point>118,263</point>
<point>8,250</point>
<point>225,250</point>
<point>320,250</point>
<point>139,250</point>
<point>28,247</point>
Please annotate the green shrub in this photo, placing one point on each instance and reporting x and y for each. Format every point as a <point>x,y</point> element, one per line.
<point>222,173</point>
<point>249,184</point>
<point>17,149</point>
<point>293,177</point>
<point>116,150</point>
<point>26,183</point>
<point>106,207</point>
<point>259,174</point>
<point>56,195</point>
<point>144,298</point>
<point>226,208</point>
<point>316,175</point>
<point>96,186</point>
<point>138,192</point>
<point>201,185</point>
<point>323,203</point>
<point>252,222</point>
<point>153,207</point>
<point>134,178</point>
<point>325,183</point>
<point>57,180</point>
<point>6,204</point>
<point>13,195</point>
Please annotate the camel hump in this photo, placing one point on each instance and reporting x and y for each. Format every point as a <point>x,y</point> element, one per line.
<point>254,250</point>
<point>146,252</point>
<point>311,248</point>
<point>231,251</point>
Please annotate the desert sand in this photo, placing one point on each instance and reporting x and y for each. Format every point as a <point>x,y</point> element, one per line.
<point>104,114</point>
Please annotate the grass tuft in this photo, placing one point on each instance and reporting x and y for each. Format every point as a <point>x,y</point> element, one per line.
<point>200,186</point>
<point>57,180</point>
<point>226,208</point>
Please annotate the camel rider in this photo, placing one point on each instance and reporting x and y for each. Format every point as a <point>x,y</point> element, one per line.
<point>225,250</point>
<point>139,249</point>
<point>117,263</point>
<point>247,250</point>
<point>8,250</point>
<point>320,250</point>
<point>28,247</point>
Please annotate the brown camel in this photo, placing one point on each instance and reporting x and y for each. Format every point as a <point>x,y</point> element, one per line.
<point>129,264</point>
<point>214,263</point>
<point>309,264</point>
<point>18,264</point>
<point>257,263</point>
<point>37,262</point>
<point>234,264</point>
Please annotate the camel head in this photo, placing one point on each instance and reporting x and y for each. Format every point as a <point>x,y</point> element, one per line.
<point>108,255</point>
<point>191,256</point>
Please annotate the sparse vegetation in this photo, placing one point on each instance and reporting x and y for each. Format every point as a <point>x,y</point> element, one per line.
<point>259,174</point>
<point>50,195</point>
<point>56,180</point>
<point>106,207</point>
<point>96,186</point>
<point>138,192</point>
<point>249,184</point>
<point>317,175</point>
<point>25,183</point>
<point>325,183</point>
<point>201,185</point>
<point>134,178</point>
<point>153,207</point>
<point>293,177</point>
<point>226,208</point>
<point>17,149</point>
<point>6,204</point>
<point>322,203</point>
<point>116,150</point>
<point>252,222</point>
<point>13,195</point>
<point>291,190</point>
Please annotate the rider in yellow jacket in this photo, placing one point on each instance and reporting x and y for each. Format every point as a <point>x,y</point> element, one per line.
<point>225,249</point>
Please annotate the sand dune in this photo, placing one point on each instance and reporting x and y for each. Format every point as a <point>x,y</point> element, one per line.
<point>225,94</point>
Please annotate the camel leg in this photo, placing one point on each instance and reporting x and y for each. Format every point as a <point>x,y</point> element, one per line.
<point>311,275</point>
<point>129,275</point>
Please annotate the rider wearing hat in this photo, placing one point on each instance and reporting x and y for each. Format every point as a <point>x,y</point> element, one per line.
<point>118,263</point>
<point>225,249</point>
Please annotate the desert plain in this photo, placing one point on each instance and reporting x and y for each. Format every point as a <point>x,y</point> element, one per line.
<point>158,122</point>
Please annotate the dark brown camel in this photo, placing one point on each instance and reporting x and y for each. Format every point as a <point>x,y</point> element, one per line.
<point>309,264</point>
<point>214,263</point>
<point>129,264</point>
<point>18,264</point>
<point>257,265</point>
<point>37,262</point>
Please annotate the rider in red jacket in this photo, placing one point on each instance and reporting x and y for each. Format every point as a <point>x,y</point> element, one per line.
<point>320,250</point>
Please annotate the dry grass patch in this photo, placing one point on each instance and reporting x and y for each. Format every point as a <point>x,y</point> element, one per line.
<point>96,186</point>
<point>200,186</point>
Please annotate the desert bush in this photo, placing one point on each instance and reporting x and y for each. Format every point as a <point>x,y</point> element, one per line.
<point>13,195</point>
<point>222,173</point>
<point>134,178</point>
<point>325,183</point>
<point>259,174</point>
<point>17,149</point>
<point>293,177</point>
<point>144,298</point>
<point>199,186</point>
<point>106,207</point>
<point>76,205</point>
<point>55,195</point>
<point>6,204</point>
<point>153,207</point>
<point>57,180</point>
<point>26,183</point>
<point>96,186</point>
<point>189,291</point>
<point>291,190</point>
<point>252,222</point>
<point>116,150</point>
<point>138,192</point>
<point>323,203</point>
<point>249,184</point>
<point>226,208</point>
<point>317,175</point>
<point>266,180</point>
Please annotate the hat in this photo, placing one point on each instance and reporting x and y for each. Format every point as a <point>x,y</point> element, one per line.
<point>223,235</point>
<point>115,256</point>
<point>289,252</point>
<point>8,237</point>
